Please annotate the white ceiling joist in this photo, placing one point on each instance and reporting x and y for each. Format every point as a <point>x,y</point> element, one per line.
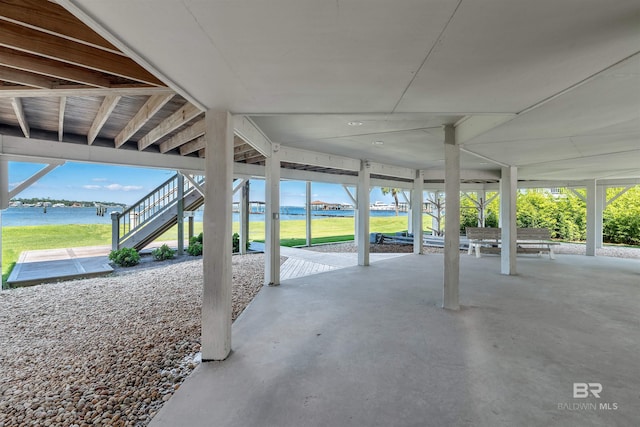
<point>184,115</point>
<point>20,92</point>
<point>108,104</point>
<point>148,110</point>
<point>61,109</point>
<point>192,132</point>
<point>16,103</point>
<point>252,135</point>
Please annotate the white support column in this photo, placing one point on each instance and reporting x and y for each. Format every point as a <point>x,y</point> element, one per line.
<point>308,212</point>
<point>272,218</point>
<point>180,216</point>
<point>450,298</point>
<point>4,196</point>
<point>417,199</point>
<point>354,202</point>
<point>592,204</point>
<point>217,228</point>
<point>601,203</point>
<point>508,195</point>
<point>363,212</point>
<point>244,218</point>
<point>409,211</point>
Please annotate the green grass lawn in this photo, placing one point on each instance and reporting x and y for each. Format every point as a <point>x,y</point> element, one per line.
<point>292,232</point>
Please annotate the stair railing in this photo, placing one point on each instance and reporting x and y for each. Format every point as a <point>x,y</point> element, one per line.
<point>144,210</point>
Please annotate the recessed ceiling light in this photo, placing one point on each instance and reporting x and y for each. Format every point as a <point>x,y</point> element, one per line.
<point>355,123</point>
<point>378,142</point>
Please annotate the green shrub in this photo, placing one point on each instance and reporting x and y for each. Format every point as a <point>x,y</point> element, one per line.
<point>162,253</point>
<point>195,245</point>
<point>236,242</point>
<point>195,249</point>
<point>125,257</point>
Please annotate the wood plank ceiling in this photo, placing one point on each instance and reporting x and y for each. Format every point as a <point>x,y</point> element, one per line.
<point>61,80</point>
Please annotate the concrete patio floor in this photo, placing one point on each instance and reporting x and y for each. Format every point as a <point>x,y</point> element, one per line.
<point>370,346</point>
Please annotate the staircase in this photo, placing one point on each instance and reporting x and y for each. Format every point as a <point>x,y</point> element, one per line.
<point>156,213</point>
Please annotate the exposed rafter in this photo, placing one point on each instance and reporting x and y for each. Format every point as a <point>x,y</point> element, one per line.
<point>16,103</point>
<point>108,104</point>
<point>148,110</point>
<point>193,146</point>
<point>20,77</point>
<point>51,18</point>
<point>184,115</point>
<point>48,67</point>
<point>195,130</point>
<point>38,43</point>
<point>61,109</point>
<point>22,92</point>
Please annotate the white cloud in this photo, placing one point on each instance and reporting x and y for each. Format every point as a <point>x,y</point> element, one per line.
<point>92,187</point>
<point>120,187</point>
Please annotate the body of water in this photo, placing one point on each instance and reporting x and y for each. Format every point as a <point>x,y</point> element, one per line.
<point>16,217</point>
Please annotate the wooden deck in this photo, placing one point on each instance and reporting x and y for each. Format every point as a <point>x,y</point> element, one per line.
<point>297,267</point>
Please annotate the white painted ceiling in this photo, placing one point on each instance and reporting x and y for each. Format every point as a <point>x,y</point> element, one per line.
<point>569,70</point>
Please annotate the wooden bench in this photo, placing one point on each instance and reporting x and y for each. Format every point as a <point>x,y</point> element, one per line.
<point>528,240</point>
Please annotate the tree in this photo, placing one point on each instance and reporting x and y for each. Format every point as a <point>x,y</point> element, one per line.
<point>436,212</point>
<point>394,193</point>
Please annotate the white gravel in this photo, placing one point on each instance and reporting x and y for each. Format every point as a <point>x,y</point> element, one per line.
<point>106,351</point>
<point>563,248</point>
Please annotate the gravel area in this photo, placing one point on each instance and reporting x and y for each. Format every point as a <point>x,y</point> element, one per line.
<point>106,351</point>
<point>563,248</point>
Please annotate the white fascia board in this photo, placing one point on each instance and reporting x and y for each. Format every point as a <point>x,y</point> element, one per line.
<point>301,175</point>
<point>465,174</point>
<point>32,149</point>
<point>471,126</point>
<point>391,184</point>
<point>252,135</point>
<point>392,171</point>
<point>313,158</point>
<point>247,170</point>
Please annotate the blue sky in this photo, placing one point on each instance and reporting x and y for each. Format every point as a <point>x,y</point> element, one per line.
<point>119,184</point>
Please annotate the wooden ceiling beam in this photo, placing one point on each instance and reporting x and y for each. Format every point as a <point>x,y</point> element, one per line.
<point>51,18</point>
<point>108,104</point>
<point>48,67</point>
<point>192,132</point>
<point>22,92</point>
<point>148,110</point>
<point>202,153</point>
<point>25,78</point>
<point>184,115</point>
<point>63,105</point>
<point>257,158</point>
<point>36,42</point>
<point>16,103</point>
<point>193,146</point>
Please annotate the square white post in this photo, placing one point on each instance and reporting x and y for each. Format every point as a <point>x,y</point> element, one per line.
<point>4,195</point>
<point>272,218</point>
<point>509,226</point>
<point>308,212</point>
<point>451,220</point>
<point>591,217</point>
<point>180,217</point>
<point>217,222</point>
<point>601,204</point>
<point>364,183</point>
<point>244,217</point>
<point>417,199</point>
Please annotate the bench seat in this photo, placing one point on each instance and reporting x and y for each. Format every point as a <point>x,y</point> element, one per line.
<point>528,241</point>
